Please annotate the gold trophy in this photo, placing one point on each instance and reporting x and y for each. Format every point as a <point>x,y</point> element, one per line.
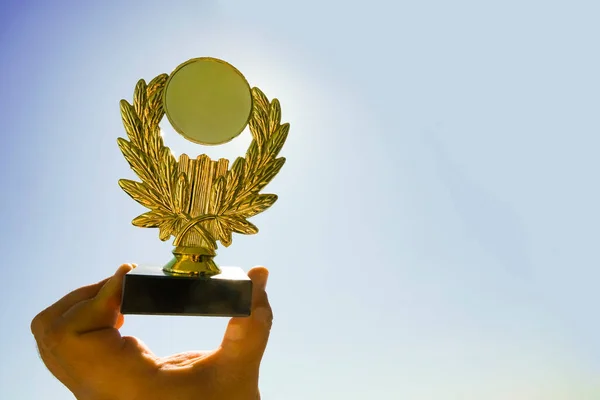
<point>198,201</point>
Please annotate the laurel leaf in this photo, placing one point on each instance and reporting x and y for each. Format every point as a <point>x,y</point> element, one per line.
<point>140,164</point>
<point>157,83</point>
<point>253,158</point>
<point>216,195</point>
<point>154,91</point>
<point>168,171</point>
<point>239,225</point>
<point>254,205</point>
<point>167,228</point>
<point>153,114</point>
<point>223,233</point>
<point>234,182</point>
<point>226,238</point>
<point>261,179</point>
<point>181,195</point>
<point>152,219</point>
<point>268,172</point>
<point>257,130</point>
<point>141,193</point>
<point>154,94</point>
<point>274,115</point>
<point>278,140</point>
<point>152,144</point>
<point>260,115</point>
<point>132,124</point>
<point>139,98</point>
<point>260,100</point>
<point>153,120</point>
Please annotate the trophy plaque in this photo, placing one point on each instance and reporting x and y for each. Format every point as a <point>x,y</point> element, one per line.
<point>198,201</point>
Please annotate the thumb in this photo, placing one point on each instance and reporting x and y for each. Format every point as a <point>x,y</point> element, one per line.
<point>247,337</point>
<point>102,311</point>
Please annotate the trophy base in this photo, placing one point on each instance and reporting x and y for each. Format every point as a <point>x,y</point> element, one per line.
<point>151,291</point>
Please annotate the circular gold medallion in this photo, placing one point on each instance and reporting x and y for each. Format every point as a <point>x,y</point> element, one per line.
<point>207,101</point>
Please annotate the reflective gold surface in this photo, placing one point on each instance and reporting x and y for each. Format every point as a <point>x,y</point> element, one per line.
<point>199,201</point>
<point>207,101</point>
<point>192,261</point>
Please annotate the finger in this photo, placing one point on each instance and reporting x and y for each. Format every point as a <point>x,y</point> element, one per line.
<point>247,337</point>
<point>120,321</point>
<point>100,312</point>
<point>45,318</point>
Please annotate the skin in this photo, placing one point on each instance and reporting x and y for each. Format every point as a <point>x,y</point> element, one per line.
<point>79,341</point>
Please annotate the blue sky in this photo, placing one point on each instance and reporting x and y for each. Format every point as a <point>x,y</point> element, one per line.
<point>438,213</point>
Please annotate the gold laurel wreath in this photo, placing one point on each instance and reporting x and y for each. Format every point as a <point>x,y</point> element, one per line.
<point>198,201</point>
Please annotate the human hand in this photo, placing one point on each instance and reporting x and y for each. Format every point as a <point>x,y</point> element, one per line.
<point>79,341</point>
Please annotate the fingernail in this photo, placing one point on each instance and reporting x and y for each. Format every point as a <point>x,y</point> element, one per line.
<point>261,278</point>
<point>123,269</point>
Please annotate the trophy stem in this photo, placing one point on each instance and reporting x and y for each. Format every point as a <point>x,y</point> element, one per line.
<point>192,261</point>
